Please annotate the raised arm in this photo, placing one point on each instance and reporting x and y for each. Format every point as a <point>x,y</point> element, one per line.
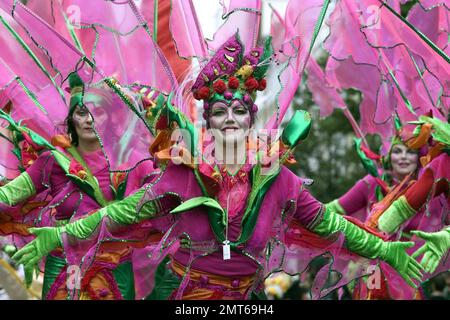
<point>122,212</point>
<point>412,201</point>
<point>146,203</point>
<point>323,221</point>
<point>17,190</point>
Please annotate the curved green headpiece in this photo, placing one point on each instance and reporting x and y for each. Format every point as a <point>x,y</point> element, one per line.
<point>76,90</point>
<point>297,128</point>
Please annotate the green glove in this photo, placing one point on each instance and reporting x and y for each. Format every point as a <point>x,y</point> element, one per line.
<point>122,212</point>
<point>17,190</point>
<point>395,215</point>
<point>436,246</point>
<point>85,227</point>
<point>125,211</point>
<point>9,249</point>
<point>29,274</point>
<point>47,239</point>
<point>370,246</point>
<point>335,207</point>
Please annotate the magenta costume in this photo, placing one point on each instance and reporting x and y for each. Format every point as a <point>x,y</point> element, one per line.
<point>191,244</point>
<point>55,47</point>
<point>358,200</point>
<point>46,173</point>
<point>71,202</point>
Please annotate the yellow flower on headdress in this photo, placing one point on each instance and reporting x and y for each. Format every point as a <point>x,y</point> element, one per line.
<point>245,71</point>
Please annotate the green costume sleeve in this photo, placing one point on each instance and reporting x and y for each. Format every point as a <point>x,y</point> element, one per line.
<point>370,246</point>
<point>49,238</point>
<point>395,215</point>
<point>334,206</point>
<point>122,212</point>
<point>357,239</point>
<point>17,190</point>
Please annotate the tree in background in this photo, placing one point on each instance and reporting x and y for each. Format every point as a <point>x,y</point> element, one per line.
<point>329,156</point>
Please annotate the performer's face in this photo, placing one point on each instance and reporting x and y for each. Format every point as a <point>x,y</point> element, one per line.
<point>403,160</point>
<point>229,122</point>
<point>83,123</point>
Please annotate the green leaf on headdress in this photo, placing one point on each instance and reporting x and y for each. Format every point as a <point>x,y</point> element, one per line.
<point>367,163</point>
<point>76,98</point>
<point>297,128</point>
<point>160,101</point>
<point>240,52</point>
<point>75,80</point>
<point>261,71</point>
<point>441,130</point>
<point>398,123</point>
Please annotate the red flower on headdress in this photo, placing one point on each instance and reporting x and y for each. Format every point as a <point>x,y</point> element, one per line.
<point>196,97</point>
<point>233,83</point>
<point>251,84</point>
<point>262,84</point>
<point>219,86</point>
<point>162,123</point>
<point>203,93</point>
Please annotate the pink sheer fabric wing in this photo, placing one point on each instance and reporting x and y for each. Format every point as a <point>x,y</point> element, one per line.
<point>241,16</point>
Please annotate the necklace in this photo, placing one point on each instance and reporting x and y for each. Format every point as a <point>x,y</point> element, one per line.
<point>226,242</point>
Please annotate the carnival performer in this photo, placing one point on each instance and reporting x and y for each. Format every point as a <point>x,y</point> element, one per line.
<point>421,205</point>
<point>433,182</point>
<point>223,212</point>
<point>400,162</point>
<point>400,166</point>
<point>74,176</point>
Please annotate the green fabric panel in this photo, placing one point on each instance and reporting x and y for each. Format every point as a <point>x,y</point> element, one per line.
<point>17,190</point>
<point>261,295</point>
<point>98,194</point>
<point>53,267</point>
<point>123,274</point>
<point>196,202</point>
<point>367,163</point>
<point>165,282</point>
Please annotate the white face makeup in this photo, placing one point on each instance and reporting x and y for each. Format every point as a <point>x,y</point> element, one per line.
<point>229,123</point>
<point>403,160</point>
